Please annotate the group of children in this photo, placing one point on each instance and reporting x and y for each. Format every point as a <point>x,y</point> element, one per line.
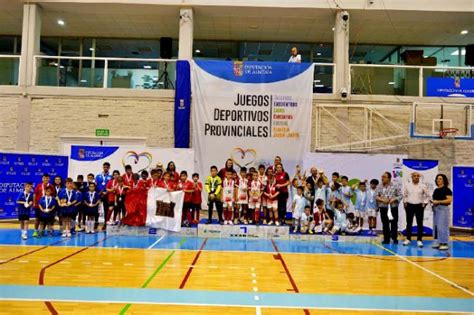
<point>247,197</point>
<point>333,207</point>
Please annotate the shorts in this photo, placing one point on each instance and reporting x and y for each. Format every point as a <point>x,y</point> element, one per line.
<point>360,214</point>
<point>227,204</point>
<point>47,218</point>
<point>372,212</point>
<point>196,206</point>
<point>297,214</point>
<point>23,216</point>
<point>254,204</point>
<point>264,201</point>
<point>272,204</point>
<point>91,211</point>
<point>68,212</point>
<point>37,213</point>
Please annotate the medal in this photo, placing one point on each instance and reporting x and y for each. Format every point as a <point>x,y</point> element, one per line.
<point>69,196</point>
<point>47,202</point>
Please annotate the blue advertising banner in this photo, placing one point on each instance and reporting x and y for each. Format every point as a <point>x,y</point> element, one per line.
<point>453,87</point>
<point>18,168</point>
<point>182,105</point>
<point>463,196</point>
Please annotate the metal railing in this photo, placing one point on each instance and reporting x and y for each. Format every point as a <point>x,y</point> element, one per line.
<point>102,72</point>
<point>9,69</point>
<point>408,80</point>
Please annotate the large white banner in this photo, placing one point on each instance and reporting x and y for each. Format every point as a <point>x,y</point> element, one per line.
<point>428,169</point>
<point>250,112</point>
<point>89,159</point>
<point>164,209</point>
<point>356,166</point>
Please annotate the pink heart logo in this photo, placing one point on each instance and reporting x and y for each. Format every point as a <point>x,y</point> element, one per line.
<point>142,160</point>
<point>242,157</point>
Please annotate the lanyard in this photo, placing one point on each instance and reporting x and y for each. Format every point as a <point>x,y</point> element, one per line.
<point>43,192</point>
<point>129,178</point>
<point>272,187</point>
<point>154,182</point>
<point>213,183</point>
<point>69,195</point>
<point>91,197</point>
<point>58,188</point>
<point>120,190</point>
<point>47,202</point>
<point>104,178</point>
<point>27,196</point>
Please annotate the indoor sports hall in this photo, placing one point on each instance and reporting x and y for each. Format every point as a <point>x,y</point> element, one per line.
<point>223,157</point>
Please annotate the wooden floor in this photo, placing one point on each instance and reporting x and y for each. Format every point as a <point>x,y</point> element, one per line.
<point>339,275</point>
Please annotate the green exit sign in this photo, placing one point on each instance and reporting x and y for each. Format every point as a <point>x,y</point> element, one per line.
<point>102,132</point>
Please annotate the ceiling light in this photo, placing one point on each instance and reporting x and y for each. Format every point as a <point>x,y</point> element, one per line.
<point>253,26</point>
<point>147,67</point>
<point>319,85</point>
<point>391,83</point>
<point>91,49</point>
<point>318,54</point>
<point>83,81</point>
<point>456,52</point>
<point>197,51</point>
<point>333,29</point>
<point>317,81</point>
<point>61,22</point>
<point>464,32</point>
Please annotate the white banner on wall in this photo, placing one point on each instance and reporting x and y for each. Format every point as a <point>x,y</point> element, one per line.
<point>250,112</point>
<point>89,159</point>
<point>164,209</point>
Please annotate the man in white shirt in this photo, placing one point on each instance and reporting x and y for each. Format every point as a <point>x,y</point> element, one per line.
<point>415,198</point>
<point>295,57</point>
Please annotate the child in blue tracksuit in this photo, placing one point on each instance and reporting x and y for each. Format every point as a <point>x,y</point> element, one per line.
<point>333,195</point>
<point>372,206</point>
<point>91,207</point>
<point>340,218</point>
<point>25,202</point>
<point>361,203</point>
<point>47,206</point>
<point>67,204</point>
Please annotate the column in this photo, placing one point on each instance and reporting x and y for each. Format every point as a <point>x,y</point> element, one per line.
<point>185,49</point>
<point>341,59</point>
<point>30,46</point>
<point>341,51</point>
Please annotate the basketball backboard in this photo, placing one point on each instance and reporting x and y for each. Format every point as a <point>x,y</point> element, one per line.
<point>430,120</point>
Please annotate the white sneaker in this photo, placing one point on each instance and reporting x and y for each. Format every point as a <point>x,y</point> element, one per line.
<point>435,246</point>
<point>270,223</point>
<point>230,222</point>
<point>68,234</point>
<point>295,230</point>
<point>419,244</point>
<point>443,247</point>
<point>406,242</point>
<point>277,223</point>
<point>225,222</point>
<point>265,222</point>
<point>92,231</point>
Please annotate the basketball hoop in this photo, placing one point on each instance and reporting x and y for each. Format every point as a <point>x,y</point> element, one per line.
<point>443,133</point>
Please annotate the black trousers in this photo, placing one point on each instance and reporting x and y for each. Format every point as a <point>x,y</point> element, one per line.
<point>210,205</point>
<point>390,228</point>
<point>282,199</point>
<point>416,210</point>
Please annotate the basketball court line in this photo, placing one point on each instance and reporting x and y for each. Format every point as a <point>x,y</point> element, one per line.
<point>236,299</point>
<point>283,263</point>
<point>457,286</point>
<point>31,252</point>
<point>157,241</point>
<point>42,274</point>
<point>153,275</point>
<point>193,264</point>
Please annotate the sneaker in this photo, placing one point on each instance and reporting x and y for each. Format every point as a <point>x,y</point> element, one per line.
<point>406,242</point>
<point>231,223</point>
<point>311,232</point>
<point>265,222</point>
<point>295,230</point>
<point>436,246</point>
<point>64,234</point>
<point>208,222</point>
<point>246,222</point>
<point>68,234</point>
<point>419,244</point>
<point>277,223</point>
<point>92,231</point>
<point>35,234</point>
<point>443,247</point>
<point>110,223</point>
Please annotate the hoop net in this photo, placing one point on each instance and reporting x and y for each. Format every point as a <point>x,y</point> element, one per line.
<point>445,132</point>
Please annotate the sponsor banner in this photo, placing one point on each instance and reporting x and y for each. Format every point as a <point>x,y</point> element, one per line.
<point>250,112</point>
<point>463,196</point>
<point>428,169</point>
<point>18,168</point>
<point>164,209</point>
<point>243,231</point>
<point>182,104</point>
<point>89,159</point>
<point>452,87</point>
